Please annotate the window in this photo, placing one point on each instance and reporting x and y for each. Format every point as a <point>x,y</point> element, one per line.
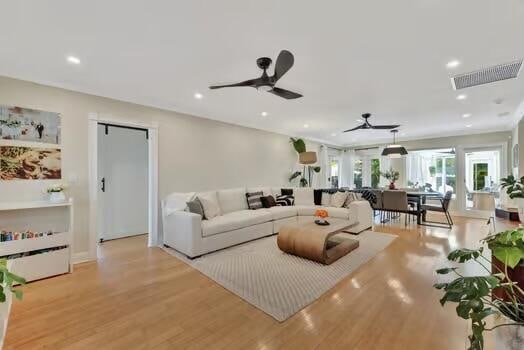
<point>432,170</point>
<point>480,172</point>
<point>375,173</point>
<point>357,173</point>
<point>333,174</point>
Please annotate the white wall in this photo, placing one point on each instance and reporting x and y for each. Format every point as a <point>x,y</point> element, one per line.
<point>195,154</point>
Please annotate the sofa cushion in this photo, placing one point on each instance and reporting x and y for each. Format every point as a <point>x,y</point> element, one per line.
<point>326,199</point>
<point>231,200</point>
<point>317,197</point>
<point>265,190</point>
<point>210,204</point>
<point>280,212</point>
<point>254,200</point>
<point>309,210</point>
<point>176,201</point>
<point>339,213</point>
<point>304,196</point>
<point>338,199</point>
<point>234,221</point>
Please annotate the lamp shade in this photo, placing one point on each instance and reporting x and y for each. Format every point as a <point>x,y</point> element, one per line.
<point>394,151</point>
<point>307,157</point>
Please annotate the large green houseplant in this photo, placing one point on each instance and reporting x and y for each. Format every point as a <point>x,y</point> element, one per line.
<point>515,191</point>
<point>300,147</point>
<point>498,292</point>
<point>7,279</point>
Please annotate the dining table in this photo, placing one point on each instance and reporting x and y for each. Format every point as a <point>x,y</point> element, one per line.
<point>419,198</point>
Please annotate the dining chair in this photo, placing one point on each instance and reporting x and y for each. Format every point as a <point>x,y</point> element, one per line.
<point>442,207</point>
<point>396,202</point>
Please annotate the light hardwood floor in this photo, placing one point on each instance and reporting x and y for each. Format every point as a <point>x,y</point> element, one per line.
<point>140,298</point>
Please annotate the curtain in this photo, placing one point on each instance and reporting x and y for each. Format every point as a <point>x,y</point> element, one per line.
<point>346,168</point>
<point>385,165</point>
<point>417,169</point>
<point>323,163</point>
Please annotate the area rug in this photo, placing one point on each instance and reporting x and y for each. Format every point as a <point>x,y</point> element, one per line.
<point>277,283</point>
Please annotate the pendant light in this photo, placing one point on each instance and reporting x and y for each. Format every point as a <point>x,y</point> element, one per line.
<point>394,151</point>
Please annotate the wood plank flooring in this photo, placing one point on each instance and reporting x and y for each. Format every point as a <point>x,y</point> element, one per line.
<point>136,297</point>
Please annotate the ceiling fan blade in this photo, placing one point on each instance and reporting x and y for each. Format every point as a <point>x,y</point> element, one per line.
<point>284,62</point>
<point>355,128</point>
<point>384,127</point>
<point>251,82</point>
<point>284,93</point>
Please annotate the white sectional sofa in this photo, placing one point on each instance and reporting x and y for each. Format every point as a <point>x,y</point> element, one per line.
<point>193,236</point>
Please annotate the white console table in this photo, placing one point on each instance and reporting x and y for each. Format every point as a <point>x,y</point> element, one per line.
<point>40,216</point>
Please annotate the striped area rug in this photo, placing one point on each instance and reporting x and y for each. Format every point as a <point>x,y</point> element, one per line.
<point>277,283</point>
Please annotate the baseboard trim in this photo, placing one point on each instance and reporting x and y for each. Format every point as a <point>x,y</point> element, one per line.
<point>81,257</point>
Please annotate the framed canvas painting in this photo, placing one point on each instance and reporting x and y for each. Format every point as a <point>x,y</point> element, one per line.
<point>29,125</point>
<point>30,163</point>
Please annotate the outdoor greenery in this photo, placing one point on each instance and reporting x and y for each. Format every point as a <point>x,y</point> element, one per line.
<point>480,171</point>
<point>375,173</point>
<point>514,188</point>
<point>473,294</point>
<point>357,174</point>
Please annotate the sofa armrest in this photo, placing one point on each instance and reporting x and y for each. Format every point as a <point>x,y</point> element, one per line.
<point>183,232</point>
<point>361,213</point>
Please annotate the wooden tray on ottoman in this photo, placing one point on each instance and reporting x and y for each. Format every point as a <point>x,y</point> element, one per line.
<point>314,242</point>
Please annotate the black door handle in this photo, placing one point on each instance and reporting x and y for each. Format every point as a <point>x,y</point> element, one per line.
<point>103,184</point>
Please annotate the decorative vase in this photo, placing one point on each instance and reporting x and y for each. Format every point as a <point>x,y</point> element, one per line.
<point>508,337</point>
<point>391,185</point>
<point>57,197</point>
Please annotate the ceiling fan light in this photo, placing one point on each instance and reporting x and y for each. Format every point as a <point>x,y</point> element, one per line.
<point>264,88</point>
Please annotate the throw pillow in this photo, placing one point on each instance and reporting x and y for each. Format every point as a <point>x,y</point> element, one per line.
<point>195,206</point>
<point>317,197</point>
<point>352,196</point>
<point>304,196</point>
<point>253,200</point>
<point>209,202</point>
<point>326,199</point>
<point>268,201</point>
<point>287,191</point>
<point>338,199</point>
<point>285,200</point>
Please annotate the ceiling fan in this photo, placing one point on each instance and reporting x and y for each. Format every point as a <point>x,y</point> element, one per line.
<point>366,125</point>
<point>267,83</point>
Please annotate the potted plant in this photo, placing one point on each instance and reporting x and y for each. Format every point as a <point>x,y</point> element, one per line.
<point>7,279</point>
<point>300,147</point>
<point>56,193</point>
<point>392,176</point>
<point>515,190</point>
<point>499,292</point>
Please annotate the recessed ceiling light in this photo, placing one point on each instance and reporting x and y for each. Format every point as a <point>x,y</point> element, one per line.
<point>466,115</point>
<point>468,126</point>
<point>264,114</point>
<point>453,64</point>
<point>306,125</point>
<point>461,97</point>
<point>198,95</point>
<point>333,134</point>
<point>73,59</point>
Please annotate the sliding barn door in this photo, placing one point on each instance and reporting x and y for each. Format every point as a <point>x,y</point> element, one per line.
<point>123,182</point>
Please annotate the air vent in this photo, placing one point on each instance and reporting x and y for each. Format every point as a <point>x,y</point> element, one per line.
<point>487,75</point>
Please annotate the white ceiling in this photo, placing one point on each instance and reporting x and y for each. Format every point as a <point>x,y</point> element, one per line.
<point>383,57</point>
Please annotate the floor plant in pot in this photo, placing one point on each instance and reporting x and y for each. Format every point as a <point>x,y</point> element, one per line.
<point>7,279</point>
<point>498,293</point>
<point>310,157</point>
<point>515,190</point>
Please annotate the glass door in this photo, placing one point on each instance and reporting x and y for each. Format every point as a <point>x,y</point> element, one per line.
<point>482,172</point>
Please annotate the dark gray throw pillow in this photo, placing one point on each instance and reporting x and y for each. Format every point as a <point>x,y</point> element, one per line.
<point>195,206</point>
<point>253,200</point>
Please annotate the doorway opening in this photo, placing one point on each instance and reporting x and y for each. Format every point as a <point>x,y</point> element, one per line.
<point>482,176</point>
<point>123,180</point>
<point>149,135</point>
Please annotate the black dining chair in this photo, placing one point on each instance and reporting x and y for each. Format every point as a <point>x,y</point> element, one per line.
<point>441,208</point>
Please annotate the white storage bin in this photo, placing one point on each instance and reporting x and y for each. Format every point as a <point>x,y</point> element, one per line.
<point>38,266</point>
